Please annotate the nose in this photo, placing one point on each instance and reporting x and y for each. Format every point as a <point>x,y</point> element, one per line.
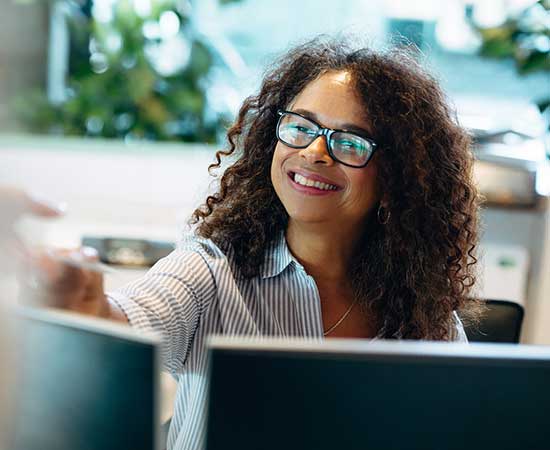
<point>317,152</point>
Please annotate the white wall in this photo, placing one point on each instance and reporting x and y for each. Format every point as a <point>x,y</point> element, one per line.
<point>139,191</point>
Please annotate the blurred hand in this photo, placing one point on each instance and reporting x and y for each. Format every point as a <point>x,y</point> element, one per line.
<point>50,278</point>
<point>15,203</point>
<point>56,280</point>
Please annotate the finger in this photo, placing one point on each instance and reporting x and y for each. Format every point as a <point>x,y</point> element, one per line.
<point>89,254</point>
<point>56,281</point>
<point>56,266</point>
<point>15,202</point>
<point>39,206</point>
<point>87,258</point>
<point>95,282</point>
<point>55,273</point>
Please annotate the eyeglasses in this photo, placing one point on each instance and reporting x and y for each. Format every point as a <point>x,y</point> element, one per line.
<point>345,147</point>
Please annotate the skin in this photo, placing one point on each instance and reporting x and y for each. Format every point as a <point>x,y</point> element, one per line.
<point>323,229</point>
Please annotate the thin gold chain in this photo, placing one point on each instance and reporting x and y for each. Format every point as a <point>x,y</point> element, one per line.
<point>346,314</point>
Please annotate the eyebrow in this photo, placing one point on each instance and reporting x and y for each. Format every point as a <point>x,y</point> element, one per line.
<point>345,127</point>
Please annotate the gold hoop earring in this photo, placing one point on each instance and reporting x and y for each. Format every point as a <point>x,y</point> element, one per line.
<point>383,215</point>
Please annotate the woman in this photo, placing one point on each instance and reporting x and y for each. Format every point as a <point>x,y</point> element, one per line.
<point>349,212</point>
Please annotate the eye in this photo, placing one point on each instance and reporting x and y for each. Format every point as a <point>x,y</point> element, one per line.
<point>298,128</point>
<point>347,144</point>
<point>350,146</point>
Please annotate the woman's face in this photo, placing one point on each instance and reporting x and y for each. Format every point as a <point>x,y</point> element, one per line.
<point>331,102</point>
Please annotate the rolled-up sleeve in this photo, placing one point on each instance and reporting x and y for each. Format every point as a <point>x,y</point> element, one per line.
<point>170,300</point>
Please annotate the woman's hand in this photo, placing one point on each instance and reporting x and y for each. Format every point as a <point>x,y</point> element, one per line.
<point>51,278</point>
<point>66,279</point>
<point>57,280</point>
<point>16,202</point>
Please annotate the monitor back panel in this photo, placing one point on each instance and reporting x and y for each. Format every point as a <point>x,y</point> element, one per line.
<point>81,389</point>
<point>293,400</point>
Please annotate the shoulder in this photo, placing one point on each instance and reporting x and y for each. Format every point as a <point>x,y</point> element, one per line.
<point>197,264</point>
<point>201,253</point>
<point>192,255</point>
<point>191,243</point>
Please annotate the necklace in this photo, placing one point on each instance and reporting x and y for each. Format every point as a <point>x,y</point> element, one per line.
<point>346,314</point>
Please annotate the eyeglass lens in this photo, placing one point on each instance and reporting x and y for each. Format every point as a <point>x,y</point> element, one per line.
<point>300,132</point>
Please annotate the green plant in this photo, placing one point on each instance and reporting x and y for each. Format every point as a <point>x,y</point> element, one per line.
<point>525,37</point>
<point>134,73</point>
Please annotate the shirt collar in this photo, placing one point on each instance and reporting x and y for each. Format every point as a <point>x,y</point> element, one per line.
<point>277,258</point>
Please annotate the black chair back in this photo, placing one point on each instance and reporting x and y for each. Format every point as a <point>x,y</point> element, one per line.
<point>501,323</point>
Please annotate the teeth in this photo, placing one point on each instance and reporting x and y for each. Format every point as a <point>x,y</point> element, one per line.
<point>316,184</point>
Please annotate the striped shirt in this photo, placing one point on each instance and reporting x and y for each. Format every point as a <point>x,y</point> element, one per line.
<point>198,290</point>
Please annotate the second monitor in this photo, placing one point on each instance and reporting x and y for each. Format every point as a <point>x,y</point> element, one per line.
<point>361,395</point>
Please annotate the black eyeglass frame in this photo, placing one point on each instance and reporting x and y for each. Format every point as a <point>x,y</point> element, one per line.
<point>327,132</point>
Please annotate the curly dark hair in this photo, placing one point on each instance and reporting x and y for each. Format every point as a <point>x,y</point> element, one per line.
<point>418,268</point>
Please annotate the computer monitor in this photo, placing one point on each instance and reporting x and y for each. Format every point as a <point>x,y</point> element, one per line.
<point>85,384</point>
<point>379,395</point>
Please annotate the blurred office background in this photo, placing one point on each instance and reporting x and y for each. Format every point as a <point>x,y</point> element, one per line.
<point>117,107</point>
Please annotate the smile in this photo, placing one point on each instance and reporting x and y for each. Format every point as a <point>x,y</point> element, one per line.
<point>311,183</point>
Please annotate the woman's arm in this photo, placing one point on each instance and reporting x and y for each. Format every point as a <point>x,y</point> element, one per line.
<point>170,300</point>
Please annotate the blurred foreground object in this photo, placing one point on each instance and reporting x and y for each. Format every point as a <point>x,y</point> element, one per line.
<point>14,203</point>
<point>86,384</point>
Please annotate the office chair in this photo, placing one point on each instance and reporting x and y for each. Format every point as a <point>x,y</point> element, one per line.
<point>500,323</point>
